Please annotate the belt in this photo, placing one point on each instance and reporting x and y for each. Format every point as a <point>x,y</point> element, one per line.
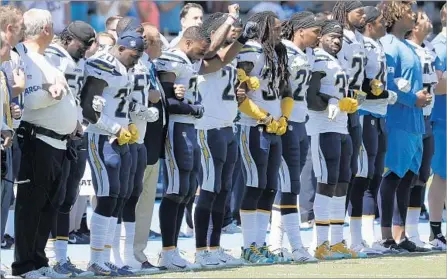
<point>42,131</point>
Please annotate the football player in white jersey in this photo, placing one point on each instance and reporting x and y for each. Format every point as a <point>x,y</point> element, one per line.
<point>65,54</point>
<point>299,34</point>
<point>374,137</point>
<point>350,14</point>
<point>105,104</point>
<point>219,147</point>
<point>181,65</point>
<point>330,141</point>
<point>431,66</point>
<point>265,112</point>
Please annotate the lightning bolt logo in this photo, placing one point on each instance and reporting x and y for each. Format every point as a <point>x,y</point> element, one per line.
<point>205,151</point>
<point>246,152</point>
<point>96,161</point>
<point>170,159</point>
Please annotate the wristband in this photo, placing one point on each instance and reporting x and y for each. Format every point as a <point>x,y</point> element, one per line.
<point>230,20</point>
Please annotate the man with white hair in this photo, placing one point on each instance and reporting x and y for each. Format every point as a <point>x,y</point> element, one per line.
<point>49,117</point>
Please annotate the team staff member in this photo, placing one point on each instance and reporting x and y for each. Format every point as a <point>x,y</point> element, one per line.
<point>49,117</point>
<point>154,141</point>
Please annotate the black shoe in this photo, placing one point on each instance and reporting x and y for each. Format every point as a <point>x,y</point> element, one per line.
<point>411,247</point>
<point>147,265</point>
<point>392,246</point>
<point>154,235</point>
<point>8,242</point>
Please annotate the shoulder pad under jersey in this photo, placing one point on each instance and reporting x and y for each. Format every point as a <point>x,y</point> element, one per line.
<point>250,52</point>
<point>172,62</point>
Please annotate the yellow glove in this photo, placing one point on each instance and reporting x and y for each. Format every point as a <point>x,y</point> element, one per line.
<point>124,136</point>
<point>134,134</point>
<point>376,87</point>
<point>252,82</point>
<point>348,105</point>
<point>249,108</point>
<point>272,127</point>
<point>282,129</point>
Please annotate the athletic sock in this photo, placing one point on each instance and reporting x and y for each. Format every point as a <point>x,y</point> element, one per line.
<point>435,230</point>
<point>129,236</point>
<point>337,219</point>
<point>291,224</point>
<point>116,247</point>
<point>355,227</point>
<point>98,232</point>
<point>249,227</point>
<point>262,221</point>
<point>412,223</point>
<point>276,231</point>
<point>322,206</point>
<point>368,229</point>
<point>60,248</point>
<point>109,237</point>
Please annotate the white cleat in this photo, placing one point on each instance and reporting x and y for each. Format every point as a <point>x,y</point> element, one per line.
<point>207,260</point>
<point>231,228</point>
<point>364,248</point>
<point>301,255</point>
<point>34,274</point>
<point>283,253</point>
<point>439,243</point>
<point>51,273</point>
<point>171,260</point>
<point>226,259</point>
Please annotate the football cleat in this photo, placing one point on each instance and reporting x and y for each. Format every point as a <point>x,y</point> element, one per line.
<point>231,228</point>
<point>276,258</point>
<point>51,273</point>
<point>100,269</point>
<point>323,252</point>
<point>61,268</point>
<point>439,243</point>
<point>206,260</point>
<point>411,247</point>
<point>254,256</point>
<point>225,258</point>
<point>346,253</point>
<point>390,246</point>
<point>301,255</point>
<point>33,274</point>
<point>119,270</point>
<point>419,243</point>
<point>171,260</point>
<point>364,248</point>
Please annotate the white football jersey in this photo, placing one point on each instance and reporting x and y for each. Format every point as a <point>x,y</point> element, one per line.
<point>74,72</point>
<point>300,68</point>
<point>218,97</point>
<point>427,56</point>
<point>142,84</point>
<point>375,69</point>
<point>265,97</point>
<point>186,73</point>
<point>334,83</point>
<point>105,66</point>
<point>352,55</point>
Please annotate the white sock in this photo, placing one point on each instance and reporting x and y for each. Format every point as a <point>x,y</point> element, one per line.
<point>129,236</point>
<point>249,227</point>
<point>60,248</point>
<point>98,232</point>
<point>276,230</point>
<point>322,206</point>
<point>355,226</point>
<point>10,224</point>
<point>368,229</point>
<point>110,236</point>
<point>337,217</point>
<point>291,224</point>
<point>412,222</point>
<point>49,250</point>
<point>262,221</point>
<point>116,246</point>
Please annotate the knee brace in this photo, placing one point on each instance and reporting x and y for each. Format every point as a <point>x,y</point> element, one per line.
<point>105,206</point>
<point>266,200</point>
<point>251,198</point>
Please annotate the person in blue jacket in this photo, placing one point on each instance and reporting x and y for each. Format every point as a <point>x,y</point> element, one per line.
<point>405,124</point>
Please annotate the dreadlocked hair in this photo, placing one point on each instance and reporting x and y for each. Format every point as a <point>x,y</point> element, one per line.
<point>266,22</point>
<point>339,13</point>
<point>288,26</point>
<point>63,38</point>
<point>392,11</point>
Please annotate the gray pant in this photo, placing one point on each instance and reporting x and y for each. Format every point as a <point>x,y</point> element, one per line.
<point>308,189</point>
<point>7,192</point>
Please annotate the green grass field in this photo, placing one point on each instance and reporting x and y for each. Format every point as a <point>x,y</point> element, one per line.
<point>427,266</point>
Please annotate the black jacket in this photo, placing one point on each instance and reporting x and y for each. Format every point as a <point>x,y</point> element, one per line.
<point>155,137</point>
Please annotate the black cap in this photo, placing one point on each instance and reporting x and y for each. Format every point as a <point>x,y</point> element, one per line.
<point>82,31</point>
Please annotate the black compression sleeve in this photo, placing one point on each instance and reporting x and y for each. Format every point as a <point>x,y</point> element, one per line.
<point>176,106</point>
<point>316,100</point>
<point>92,87</point>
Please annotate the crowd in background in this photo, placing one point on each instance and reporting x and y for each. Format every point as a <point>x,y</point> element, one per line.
<point>165,14</point>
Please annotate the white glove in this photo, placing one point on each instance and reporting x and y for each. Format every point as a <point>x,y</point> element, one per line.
<point>144,113</point>
<point>98,103</point>
<point>333,110</point>
<point>402,84</point>
<point>392,97</point>
<point>152,114</point>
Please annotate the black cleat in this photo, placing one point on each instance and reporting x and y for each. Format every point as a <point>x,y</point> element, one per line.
<point>392,247</point>
<point>411,247</point>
